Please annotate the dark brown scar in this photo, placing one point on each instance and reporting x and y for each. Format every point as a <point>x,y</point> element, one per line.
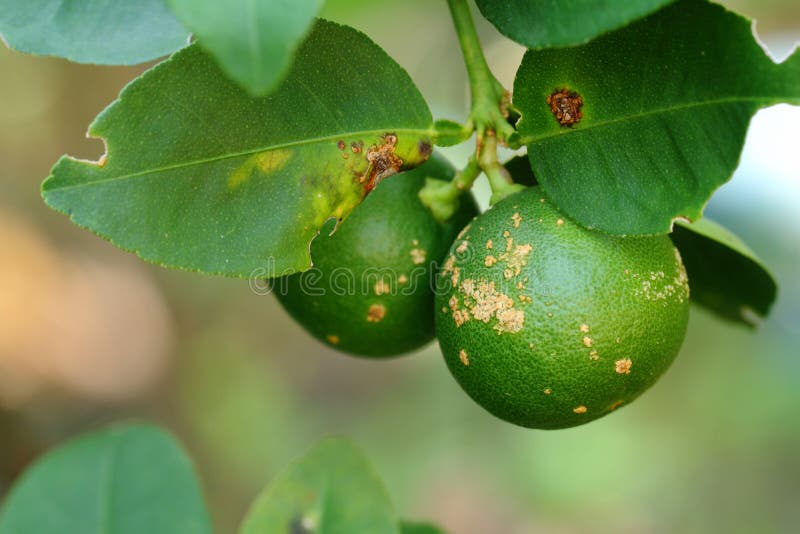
<point>566,106</point>
<point>382,162</point>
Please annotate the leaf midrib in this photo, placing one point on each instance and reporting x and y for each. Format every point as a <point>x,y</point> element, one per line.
<point>411,131</point>
<point>665,110</point>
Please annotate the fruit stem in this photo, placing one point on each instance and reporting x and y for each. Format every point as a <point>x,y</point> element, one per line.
<point>443,197</point>
<point>489,107</point>
<point>499,178</point>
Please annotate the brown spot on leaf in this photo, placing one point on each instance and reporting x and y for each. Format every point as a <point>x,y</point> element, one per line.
<point>340,144</point>
<point>566,106</point>
<point>357,146</point>
<point>382,162</point>
<point>425,149</point>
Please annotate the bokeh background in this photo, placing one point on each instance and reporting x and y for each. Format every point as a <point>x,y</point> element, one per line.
<point>89,335</point>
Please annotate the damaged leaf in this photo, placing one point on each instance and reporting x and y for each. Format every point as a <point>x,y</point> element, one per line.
<point>201,176</point>
<point>657,115</point>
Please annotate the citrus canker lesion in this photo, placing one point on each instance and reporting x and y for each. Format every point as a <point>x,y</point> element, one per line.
<point>564,324</point>
<point>370,292</point>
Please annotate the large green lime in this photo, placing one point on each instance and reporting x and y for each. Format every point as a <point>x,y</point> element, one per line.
<point>370,291</point>
<point>547,324</point>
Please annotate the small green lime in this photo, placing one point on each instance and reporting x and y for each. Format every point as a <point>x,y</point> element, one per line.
<point>549,325</point>
<point>370,292</point>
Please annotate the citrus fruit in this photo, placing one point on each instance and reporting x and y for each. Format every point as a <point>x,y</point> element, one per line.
<point>547,324</point>
<point>370,291</point>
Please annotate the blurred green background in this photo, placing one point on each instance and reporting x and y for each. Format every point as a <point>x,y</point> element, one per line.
<point>89,334</point>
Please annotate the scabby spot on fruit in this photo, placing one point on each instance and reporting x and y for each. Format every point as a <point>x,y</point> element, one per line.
<point>566,106</point>
<point>584,328</point>
<point>462,248</point>
<point>587,341</point>
<point>490,260</point>
<point>547,391</point>
<point>580,409</point>
<point>489,245</point>
<point>594,356</point>
<point>463,233</point>
<point>417,254</point>
<point>381,287</point>
<point>623,366</point>
<point>333,339</point>
<point>516,219</point>
<point>484,302</point>
<point>376,313</point>
<point>616,405</point>
<point>265,162</point>
<point>656,285</point>
<point>462,355</point>
<point>515,258</point>
<point>456,275</point>
<point>560,222</point>
<point>402,279</point>
<point>382,162</point>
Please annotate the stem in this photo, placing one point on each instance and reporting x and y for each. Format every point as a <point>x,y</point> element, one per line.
<point>487,118</point>
<point>489,107</point>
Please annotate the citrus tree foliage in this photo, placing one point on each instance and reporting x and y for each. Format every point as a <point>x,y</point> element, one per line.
<point>106,32</point>
<point>200,175</point>
<point>232,156</point>
<point>96,484</point>
<point>252,41</point>
<point>666,103</point>
<point>547,23</point>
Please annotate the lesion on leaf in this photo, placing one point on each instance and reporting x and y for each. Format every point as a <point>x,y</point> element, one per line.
<point>264,162</point>
<point>566,105</point>
<point>382,162</point>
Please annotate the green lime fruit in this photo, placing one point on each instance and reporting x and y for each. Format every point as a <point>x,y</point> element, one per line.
<point>370,291</point>
<point>549,325</point>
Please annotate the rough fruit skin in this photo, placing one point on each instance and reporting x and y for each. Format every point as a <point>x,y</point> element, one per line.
<point>382,261</point>
<point>549,325</point>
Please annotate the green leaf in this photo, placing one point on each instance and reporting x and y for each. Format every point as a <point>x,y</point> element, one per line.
<point>520,170</point>
<point>122,480</point>
<point>666,105</point>
<point>106,32</point>
<point>331,488</point>
<point>547,23</point>
<point>253,41</point>
<point>419,528</point>
<point>724,275</point>
<point>201,176</point>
